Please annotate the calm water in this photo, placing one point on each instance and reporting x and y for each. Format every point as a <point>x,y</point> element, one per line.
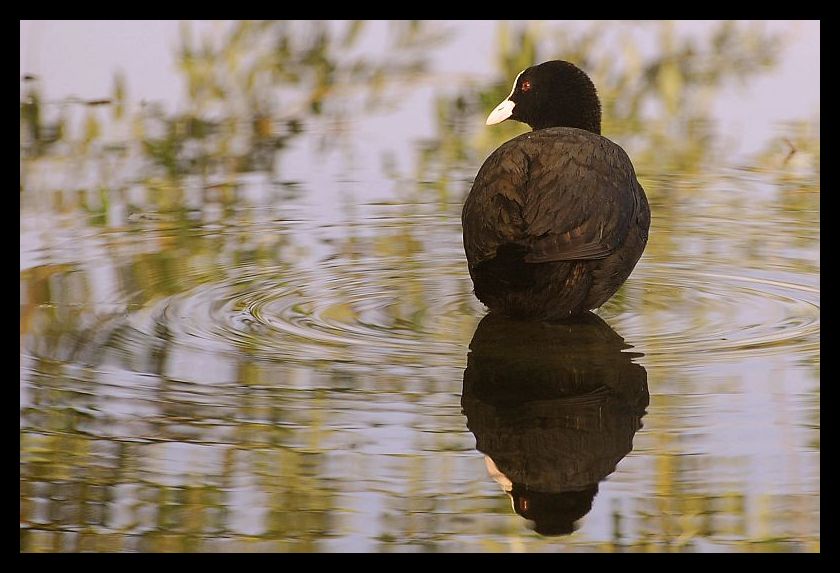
<point>247,322</point>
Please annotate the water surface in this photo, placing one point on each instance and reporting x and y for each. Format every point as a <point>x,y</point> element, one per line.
<point>247,324</point>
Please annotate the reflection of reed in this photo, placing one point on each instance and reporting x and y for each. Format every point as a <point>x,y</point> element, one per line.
<point>554,408</point>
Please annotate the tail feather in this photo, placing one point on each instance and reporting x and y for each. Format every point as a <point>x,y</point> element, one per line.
<point>505,272</point>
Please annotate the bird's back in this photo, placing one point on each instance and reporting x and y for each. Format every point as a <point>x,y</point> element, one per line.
<point>554,223</point>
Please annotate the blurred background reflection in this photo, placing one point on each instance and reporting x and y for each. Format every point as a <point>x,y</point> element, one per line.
<point>245,312</point>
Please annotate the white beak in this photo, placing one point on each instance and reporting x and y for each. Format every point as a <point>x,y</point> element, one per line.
<point>501,113</point>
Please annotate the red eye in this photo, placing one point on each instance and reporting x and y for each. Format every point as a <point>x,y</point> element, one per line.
<point>526,85</point>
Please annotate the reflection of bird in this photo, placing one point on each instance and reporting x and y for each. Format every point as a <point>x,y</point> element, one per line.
<point>555,220</point>
<point>554,407</point>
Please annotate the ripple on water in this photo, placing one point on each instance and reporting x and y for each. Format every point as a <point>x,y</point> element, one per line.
<point>356,311</point>
<point>343,311</point>
<point>688,315</point>
<point>398,293</point>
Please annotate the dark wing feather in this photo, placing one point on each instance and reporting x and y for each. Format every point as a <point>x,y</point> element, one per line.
<point>492,214</point>
<point>565,194</point>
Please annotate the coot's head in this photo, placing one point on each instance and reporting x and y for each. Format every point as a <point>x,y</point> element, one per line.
<point>552,94</point>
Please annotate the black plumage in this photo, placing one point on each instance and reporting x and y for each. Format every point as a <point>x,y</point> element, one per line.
<point>555,220</point>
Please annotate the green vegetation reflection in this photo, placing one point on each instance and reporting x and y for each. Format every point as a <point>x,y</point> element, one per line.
<point>203,370</point>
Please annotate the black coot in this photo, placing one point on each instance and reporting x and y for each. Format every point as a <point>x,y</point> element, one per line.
<point>555,220</point>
